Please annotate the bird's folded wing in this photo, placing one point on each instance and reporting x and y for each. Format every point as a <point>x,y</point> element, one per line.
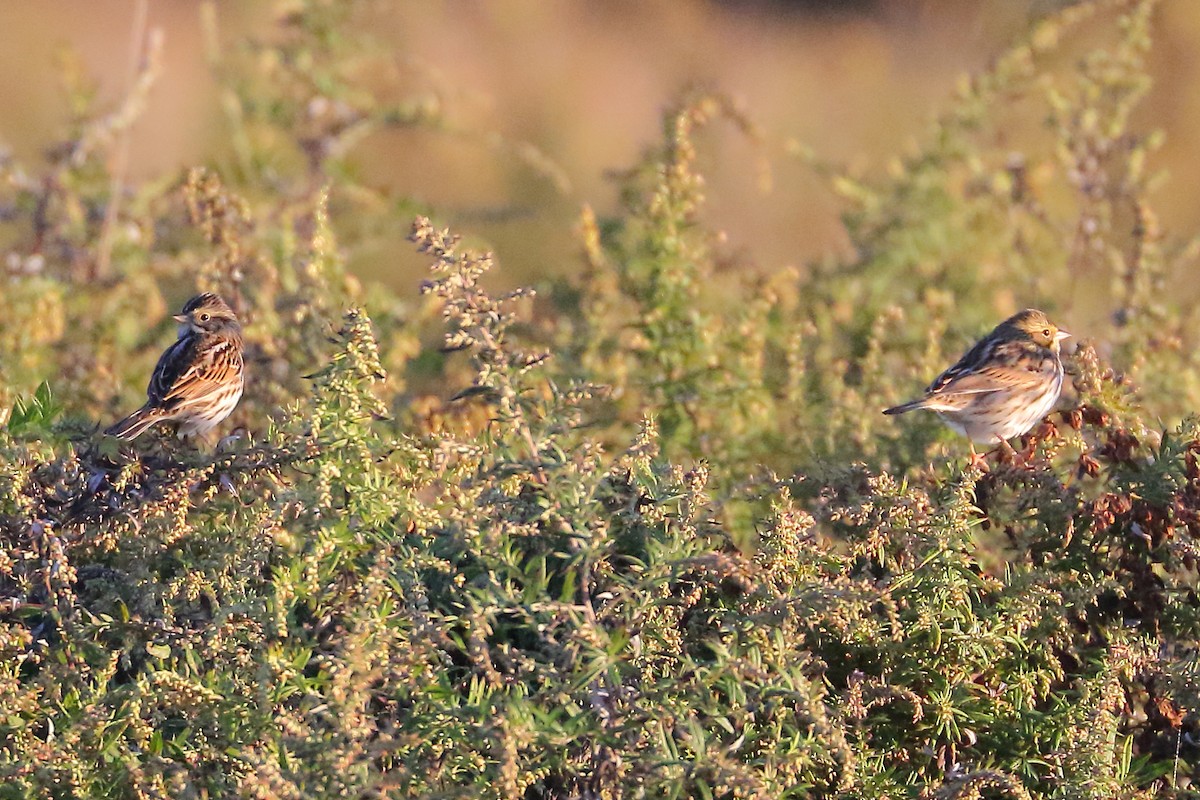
<point>956,390</point>
<point>172,364</point>
<point>212,370</point>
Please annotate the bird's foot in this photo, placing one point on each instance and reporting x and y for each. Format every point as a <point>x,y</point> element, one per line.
<point>1006,455</point>
<point>1025,454</point>
<point>978,461</point>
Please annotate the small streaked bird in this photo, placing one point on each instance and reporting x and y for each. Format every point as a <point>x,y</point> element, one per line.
<point>198,380</point>
<point>1007,383</point>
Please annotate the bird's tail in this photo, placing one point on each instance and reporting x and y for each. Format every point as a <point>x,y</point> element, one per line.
<point>909,406</point>
<point>135,424</point>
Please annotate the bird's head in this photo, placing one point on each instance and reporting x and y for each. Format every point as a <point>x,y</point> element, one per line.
<point>1034,325</point>
<point>207,313</point>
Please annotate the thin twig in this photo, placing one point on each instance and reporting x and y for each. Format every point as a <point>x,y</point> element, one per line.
<point>1175,769</point>
<point>119,164</point>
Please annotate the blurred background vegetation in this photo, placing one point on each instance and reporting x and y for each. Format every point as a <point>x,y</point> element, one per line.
<point>529,106</point>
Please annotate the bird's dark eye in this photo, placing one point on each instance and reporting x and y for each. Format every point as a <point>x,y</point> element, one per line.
<point>205,318</point>
<point>1046,332</point>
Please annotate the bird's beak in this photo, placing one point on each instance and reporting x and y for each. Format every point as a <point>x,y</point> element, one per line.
<point>1058,337</point>
<point>180,318</point>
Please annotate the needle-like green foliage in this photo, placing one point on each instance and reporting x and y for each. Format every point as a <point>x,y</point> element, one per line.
<point>661,544</point>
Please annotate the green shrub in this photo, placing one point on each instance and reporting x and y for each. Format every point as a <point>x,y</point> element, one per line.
<point>664,544</point>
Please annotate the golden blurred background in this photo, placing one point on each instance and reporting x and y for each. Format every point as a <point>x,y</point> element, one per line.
<point>583,84</point>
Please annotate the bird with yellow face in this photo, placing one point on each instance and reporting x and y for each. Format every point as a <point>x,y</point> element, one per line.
<point>1004,385</point>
